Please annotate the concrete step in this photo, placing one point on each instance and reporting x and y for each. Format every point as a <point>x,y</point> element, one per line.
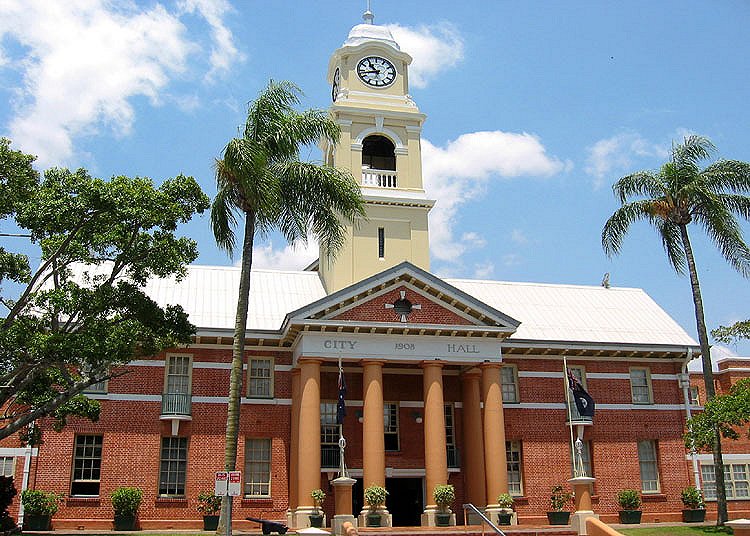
<point>468,530</point>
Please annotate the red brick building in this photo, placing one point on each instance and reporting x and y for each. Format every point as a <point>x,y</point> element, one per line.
<point>448,381</point>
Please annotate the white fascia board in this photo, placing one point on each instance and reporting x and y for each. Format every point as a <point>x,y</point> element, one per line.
<point>610,346</point>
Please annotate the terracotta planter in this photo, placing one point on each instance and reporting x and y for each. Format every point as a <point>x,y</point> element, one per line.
<point>697,515</point>
<point>558,518</point>
<point>630,517</point>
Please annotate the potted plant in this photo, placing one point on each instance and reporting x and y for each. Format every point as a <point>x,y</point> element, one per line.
<point>505,501</point>
<point>375,499</point>
<point>125,502</point>
<point>39,507</point>
<point>316,518</point>
<point>630,504</point>
<point>444,495</point>
<point>695,507</point>
<point>559,499</point>
<point>209,505</point>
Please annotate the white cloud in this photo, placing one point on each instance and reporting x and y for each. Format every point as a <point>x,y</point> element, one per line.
<point>518,236</point>
<point>434,49</point>
<point>613,156</point>
<point>223,53</point>
<point>84,60</point>
<point>484,270</point>
<point>289,258</point>
<point>459,172</point>
<point>512,259</point>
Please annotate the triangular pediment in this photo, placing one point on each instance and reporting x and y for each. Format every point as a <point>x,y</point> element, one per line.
<point>403,299</point>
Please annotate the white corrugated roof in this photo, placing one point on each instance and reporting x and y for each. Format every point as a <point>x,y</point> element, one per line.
<point>547,312</point>
<point>579,313</point>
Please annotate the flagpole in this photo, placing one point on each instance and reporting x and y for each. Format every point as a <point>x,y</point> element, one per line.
<point>342,440</point>
<point>570,416</point>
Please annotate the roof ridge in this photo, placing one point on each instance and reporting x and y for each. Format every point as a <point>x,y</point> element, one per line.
<point>532,284</point>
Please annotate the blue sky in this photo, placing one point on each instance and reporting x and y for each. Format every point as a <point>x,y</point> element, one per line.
<point>534,110</point>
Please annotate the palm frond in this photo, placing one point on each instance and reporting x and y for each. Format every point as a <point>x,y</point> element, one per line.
<point>724,230</point>
<point>671,241</point>
<point>641,183</point>
<point>223,220</point>
<point>618,224</point>
<point>692,150</point>
<point>731,175</point>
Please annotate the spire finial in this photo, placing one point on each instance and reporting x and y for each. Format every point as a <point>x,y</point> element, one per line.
<point>368,17</point>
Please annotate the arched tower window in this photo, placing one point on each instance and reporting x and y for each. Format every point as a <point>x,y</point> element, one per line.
<point>378,153</point>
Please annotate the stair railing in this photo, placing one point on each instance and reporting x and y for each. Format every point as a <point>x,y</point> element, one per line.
<point>483,517</point>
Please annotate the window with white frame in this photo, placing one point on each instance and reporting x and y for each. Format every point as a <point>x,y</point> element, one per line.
<point>87,465</point>
<point>8,465</point>
<point>173,469</point>
<point>390,422</point>
<point>257,467</point>
<point>585,459</point>
<point>736,480</point>
<point>450,436</point>
<point>649,465</point>
<point>640,385</point>
<point>177,379</point>
<point>329,436</point>
<point>260,377</point>
<point>509,384</point>
<point>513,456</point>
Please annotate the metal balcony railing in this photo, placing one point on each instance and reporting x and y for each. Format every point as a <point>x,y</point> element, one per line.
<point>454,459</point>
<point>175,404</point>
<point>330,456</point>
<point>380,178</point>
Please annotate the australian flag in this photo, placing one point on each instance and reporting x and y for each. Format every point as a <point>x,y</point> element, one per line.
<point>583,400</point>
<point>341,405</point>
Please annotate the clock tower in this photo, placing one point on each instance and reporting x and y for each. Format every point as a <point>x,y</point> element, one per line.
<point>380,144</point>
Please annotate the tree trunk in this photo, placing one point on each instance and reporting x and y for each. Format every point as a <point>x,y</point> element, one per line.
<point>235,374</point>
<point>708,376</point>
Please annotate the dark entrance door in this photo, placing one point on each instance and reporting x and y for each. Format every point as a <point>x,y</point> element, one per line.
<point>405,501</point>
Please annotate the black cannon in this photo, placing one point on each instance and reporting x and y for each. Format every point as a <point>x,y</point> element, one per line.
<point>269,526</point>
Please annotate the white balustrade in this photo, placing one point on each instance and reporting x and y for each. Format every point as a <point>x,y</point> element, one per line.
<point>379,177</point>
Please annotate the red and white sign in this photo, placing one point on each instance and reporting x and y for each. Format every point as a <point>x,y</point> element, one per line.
<point>235,483</point>
<point>220,484</point>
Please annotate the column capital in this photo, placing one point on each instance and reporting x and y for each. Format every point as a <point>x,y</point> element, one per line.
<point>490,365</point>
<point>471,374</point>
<point>309,361</point>
<point>296,371</point>
<point>366,362</point>
<point>432,363</point>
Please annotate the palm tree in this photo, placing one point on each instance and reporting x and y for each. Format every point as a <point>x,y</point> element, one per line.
<point>670,199</point>
<point>261,178</point>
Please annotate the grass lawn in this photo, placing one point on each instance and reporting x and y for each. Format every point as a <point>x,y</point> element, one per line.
<point>676,531</point>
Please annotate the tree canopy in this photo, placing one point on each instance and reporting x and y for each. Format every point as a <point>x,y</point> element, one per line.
<point>82,312</point>
<point>729,412</point>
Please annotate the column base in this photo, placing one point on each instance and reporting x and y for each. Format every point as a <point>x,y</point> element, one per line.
<point>338,523</point>
<point>492,511</point>
<point>578,520</point>
<point>300,519</point>
<point>429,518</point>
<point>386,519</point>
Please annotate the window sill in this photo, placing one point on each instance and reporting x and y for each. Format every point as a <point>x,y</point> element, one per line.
<point>82,501</point>
<point>252,501</point>
<point>653,497</point>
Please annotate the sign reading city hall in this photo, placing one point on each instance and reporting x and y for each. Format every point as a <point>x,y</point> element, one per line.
<point>397,348</point>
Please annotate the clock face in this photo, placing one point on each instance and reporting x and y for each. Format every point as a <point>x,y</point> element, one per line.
<point>376,71</point>
<point>335,87</point>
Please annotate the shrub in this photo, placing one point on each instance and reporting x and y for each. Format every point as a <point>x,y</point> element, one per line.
<point>318,495</point>
<point>559,498</point>
<point>505,500</point>
<point>40,503</point>
<point>375,496</point>
<point>629,499</point>
<point>208,503</point>
<point>692,498</point>
<point>126,501</point>
<point>444,495</point>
